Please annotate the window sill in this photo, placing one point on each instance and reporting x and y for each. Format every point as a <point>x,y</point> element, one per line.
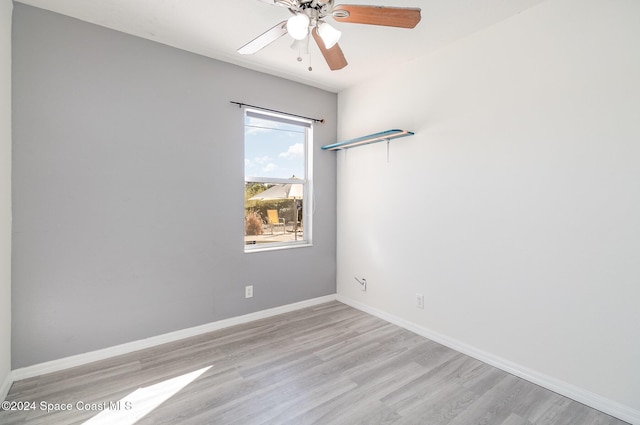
<point>271,247</point>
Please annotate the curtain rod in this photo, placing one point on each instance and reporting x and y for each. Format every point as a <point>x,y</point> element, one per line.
<point>240,105</point>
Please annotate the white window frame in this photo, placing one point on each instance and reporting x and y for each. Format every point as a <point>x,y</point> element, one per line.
<point>306,180</point>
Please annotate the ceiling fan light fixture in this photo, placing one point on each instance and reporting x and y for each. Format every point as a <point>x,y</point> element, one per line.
<point>302,46</point>
<point>329,34</point>
<point>298,26</point>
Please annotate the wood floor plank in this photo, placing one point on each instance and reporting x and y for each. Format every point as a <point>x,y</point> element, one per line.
<point>425,384</point>
<point>486,379</point>
<point>514,419</point>
<point>326,364</point>
<point>437,407</point>
<point>364,397</point>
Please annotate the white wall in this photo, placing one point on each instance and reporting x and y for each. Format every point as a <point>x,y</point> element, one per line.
<point>5,195</point>
<point>515,209</point>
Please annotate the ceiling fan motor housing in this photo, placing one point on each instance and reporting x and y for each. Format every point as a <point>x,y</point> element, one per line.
<point>314,9</point>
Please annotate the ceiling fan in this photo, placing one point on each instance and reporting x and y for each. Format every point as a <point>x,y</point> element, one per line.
<point>309,19</point>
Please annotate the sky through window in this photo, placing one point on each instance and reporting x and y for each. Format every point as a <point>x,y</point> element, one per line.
<point>273,149</point>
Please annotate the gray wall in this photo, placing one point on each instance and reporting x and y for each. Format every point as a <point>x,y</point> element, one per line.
<point>5,195</point>
<point>128,190</point>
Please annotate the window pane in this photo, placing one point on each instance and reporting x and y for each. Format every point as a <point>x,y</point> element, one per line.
<point>275,217</point>
<point>273,149</point>
<point>277,155</point>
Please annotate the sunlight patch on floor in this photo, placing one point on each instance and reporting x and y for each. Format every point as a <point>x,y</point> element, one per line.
<point>140,402</point>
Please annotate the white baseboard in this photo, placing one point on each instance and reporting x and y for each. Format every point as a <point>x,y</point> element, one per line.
<point>6,386</point>
<point>81,359</point>
<point>581,395</point>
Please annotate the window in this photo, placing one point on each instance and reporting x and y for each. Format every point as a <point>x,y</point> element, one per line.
<point>277,182</point>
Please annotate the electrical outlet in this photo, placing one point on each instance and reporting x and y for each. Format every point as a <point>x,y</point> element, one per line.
<point>248,291</point>
<point>419,300</point>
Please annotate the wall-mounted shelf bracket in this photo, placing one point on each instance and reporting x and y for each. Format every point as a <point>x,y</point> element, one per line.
<point>383,136</point>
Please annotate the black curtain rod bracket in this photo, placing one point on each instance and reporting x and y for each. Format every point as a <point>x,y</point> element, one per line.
<point>240,105</point>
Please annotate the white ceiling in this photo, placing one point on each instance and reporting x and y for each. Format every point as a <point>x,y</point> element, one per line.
<point>216,28</point>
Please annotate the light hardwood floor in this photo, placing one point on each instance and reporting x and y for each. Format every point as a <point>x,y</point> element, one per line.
<point>328,364</point>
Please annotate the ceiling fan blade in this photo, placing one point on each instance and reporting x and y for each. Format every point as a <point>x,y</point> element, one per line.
<point>401,17</point>
<point>334,56</point>
<point>264,39</point>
